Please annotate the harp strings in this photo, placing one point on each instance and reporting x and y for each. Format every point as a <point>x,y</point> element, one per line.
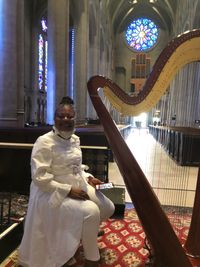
<point>178,188</point>
<point>170,181</point>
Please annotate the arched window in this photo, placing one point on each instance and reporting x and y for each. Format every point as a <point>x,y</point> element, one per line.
<point>141,34</point>
<point>42,56</point>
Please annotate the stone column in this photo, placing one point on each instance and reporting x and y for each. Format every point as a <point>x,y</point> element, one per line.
<point>58,38</point>
<point>197,117</point>
<point>184,97</point>
<point>93,51</point>
<point>12,63</point>
<point>81,58</point>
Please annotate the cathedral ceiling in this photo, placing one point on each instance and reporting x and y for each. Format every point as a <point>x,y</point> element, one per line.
<point>123,12</point>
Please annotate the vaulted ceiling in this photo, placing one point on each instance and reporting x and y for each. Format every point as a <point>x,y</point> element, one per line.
<point>122,12</point>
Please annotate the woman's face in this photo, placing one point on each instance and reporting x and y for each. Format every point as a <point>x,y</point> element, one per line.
<point>65,118</point>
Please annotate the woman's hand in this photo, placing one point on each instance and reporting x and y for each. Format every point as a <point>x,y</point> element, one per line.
<point>78,193</point>
<point>94,181</point>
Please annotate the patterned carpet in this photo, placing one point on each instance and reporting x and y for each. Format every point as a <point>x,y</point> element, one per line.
<point>123,244</point>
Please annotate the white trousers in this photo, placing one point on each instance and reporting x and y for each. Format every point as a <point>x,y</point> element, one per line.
<point>97,209</point>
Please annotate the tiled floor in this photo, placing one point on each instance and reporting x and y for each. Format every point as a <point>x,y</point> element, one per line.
<point>174,185</point>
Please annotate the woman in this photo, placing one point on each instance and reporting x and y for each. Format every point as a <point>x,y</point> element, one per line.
<point>64,206</point>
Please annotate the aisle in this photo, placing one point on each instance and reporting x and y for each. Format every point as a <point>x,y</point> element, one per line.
<point>174,185</point>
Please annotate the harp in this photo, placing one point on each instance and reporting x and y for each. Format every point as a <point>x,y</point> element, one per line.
<point>166,247</point>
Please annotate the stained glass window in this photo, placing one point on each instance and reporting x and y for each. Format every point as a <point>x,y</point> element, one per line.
<point>142,34</point>
<point>42,56</point>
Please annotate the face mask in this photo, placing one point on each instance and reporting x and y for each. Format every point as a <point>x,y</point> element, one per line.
<point>66,135</point>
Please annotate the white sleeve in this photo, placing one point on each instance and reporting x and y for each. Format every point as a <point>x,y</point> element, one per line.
<point>41,159</point>
<point>84,173</point>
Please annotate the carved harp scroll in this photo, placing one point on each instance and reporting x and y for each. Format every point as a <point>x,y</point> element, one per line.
<point>165,244</point>
<point>180,51</point>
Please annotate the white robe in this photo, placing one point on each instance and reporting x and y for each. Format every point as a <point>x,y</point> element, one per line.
<point>53,224</point>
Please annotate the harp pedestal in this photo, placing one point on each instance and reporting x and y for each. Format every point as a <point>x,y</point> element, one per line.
<point>194,262</point>
<point>153,261</point>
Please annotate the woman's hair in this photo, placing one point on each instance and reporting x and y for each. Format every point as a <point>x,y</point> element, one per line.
<point>66,100</point>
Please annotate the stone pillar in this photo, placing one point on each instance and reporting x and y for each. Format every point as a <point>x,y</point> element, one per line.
<point>81,59</point>
<point>12,63</point>
<point>197,117</point>
<point>93,51</point>
<point>58,38</point>
<point>184,97</point>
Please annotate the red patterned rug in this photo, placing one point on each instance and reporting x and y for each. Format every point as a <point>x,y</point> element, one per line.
<point>123,244</point>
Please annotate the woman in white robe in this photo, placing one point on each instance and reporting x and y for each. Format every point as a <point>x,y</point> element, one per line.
<point>64,206</point>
